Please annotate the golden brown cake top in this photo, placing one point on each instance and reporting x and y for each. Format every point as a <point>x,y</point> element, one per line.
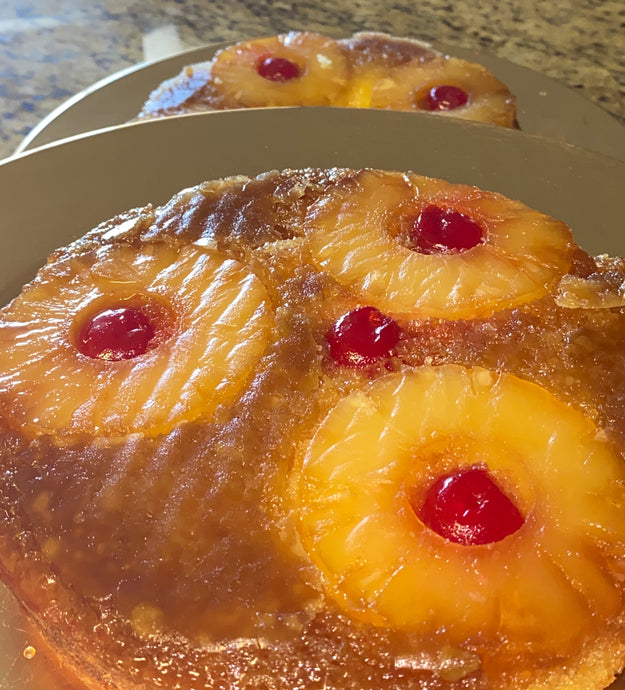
<point>226,424</point>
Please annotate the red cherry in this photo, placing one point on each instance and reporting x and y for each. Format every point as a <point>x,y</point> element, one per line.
<point>361,337</point>
<point>438,231</point>
<point>114,334</point>
<point>277,68</point>
<point>467,507</point>
<point>445,98</point>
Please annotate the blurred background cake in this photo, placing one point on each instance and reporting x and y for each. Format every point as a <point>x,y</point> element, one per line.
<point>367,70</point>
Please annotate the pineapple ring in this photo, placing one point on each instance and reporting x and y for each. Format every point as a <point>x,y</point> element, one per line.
<point>221,325</point>
<point>322,64</point>
<point>547,582</point>
<point>354,234</point>
<point>489,99</point>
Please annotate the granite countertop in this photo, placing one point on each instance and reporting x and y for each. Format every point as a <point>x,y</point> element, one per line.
<point>51,50</point>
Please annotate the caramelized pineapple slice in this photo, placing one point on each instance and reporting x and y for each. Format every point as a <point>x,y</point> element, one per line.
<point>359,495</point>
<point>123,339</point>
<point>447,86</point>
<point>298,68</point>
<point>502,253</point>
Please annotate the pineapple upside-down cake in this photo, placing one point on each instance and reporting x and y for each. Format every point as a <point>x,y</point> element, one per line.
<point>352,430</point>
<point>366,70</point>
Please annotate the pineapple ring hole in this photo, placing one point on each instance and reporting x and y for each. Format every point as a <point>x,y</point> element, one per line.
<point>506,485</point>
<point>277,68</point>
<point>126,326</point>
<point>442,97</point>
<point>436,230</point>
<point>468,507</point>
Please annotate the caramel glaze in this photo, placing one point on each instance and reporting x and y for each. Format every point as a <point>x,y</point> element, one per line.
<point>171,561</point>
<point>381,50</point>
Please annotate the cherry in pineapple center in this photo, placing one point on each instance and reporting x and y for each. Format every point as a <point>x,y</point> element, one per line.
<point>445,97</point>
<point>124,329</point>
<point>444,231</point>
<point>277,69</point>
<point>468,507</point>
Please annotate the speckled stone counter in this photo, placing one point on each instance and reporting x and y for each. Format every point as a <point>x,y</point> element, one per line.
<point>52,49</point>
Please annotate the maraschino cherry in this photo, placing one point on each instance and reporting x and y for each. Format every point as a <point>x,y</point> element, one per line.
<point>445,97</point>
<point>277,68</point>
<point>362,337</point>
<point>468,507</point>
<point>116,334</point>
<point>444,231</point>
